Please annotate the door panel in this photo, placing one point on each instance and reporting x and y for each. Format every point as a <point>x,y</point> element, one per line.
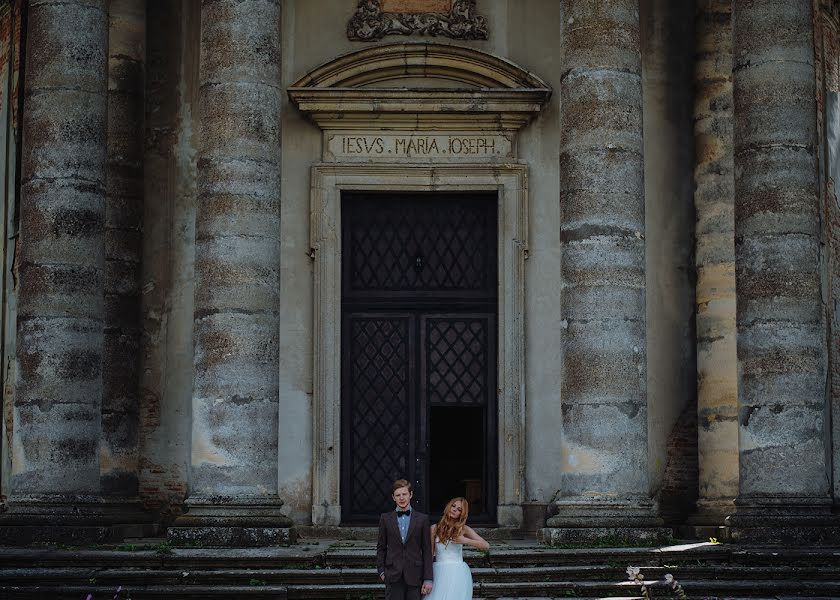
<point>377,409</point>
<point>419,305</point>
<point>457,372</point>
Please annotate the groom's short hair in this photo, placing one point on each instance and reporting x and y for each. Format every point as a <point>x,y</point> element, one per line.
<point>401,483</point>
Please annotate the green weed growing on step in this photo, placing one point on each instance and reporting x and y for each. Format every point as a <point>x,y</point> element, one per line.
<point>256,582</point>
<point>127,548</point>
<point>164,548</point>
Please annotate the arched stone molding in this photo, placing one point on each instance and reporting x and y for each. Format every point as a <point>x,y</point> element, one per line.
<point>384,63</point>
<point>496,93</point>
<point>404,138</point>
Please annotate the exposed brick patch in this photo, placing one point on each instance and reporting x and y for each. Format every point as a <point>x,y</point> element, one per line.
<point>679,491</point>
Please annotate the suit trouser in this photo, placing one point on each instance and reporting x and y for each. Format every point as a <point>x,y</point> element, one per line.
<point>399,590</point>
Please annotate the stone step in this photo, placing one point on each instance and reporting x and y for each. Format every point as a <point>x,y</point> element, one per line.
<point>694,589</point>
<point>328,576</point>
<point>323,555</point>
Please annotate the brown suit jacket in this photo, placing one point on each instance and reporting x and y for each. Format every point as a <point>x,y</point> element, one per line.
<point>413,560</point>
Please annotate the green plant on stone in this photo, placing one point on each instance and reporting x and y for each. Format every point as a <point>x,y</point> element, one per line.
<point>126,548</point>
<point>163,548</point>
<point>255,582</point>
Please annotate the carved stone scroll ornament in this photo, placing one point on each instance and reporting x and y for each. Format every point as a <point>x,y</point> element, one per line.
<point>371,23</point>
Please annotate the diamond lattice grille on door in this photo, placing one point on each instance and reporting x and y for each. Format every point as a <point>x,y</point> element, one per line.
<point>456,357</point>
<point>429,245</point>
<point>379,393</point>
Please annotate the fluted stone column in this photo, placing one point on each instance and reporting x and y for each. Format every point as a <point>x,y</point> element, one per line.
<point>603,387</point>
<point>714,200</point>
<point>56,414</point>
<point>123,246</point>
<point>781,324</point>
<point>235,398</point>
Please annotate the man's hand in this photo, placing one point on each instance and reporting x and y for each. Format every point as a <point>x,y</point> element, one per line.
<point>382,576</point>
<point>427,588</point>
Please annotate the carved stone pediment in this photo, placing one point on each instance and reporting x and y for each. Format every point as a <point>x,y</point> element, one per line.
<point>374,19</point>
<point>365,90</point>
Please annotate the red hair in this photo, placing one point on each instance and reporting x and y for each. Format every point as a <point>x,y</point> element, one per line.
<point>449,529</point>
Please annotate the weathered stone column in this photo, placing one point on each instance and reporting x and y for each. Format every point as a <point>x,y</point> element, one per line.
<point>57,421</point>
<point>235,399</point>
<point>603,394</point>
<point>782,353</point>
<point>714,200</point>
<point>123,247</point>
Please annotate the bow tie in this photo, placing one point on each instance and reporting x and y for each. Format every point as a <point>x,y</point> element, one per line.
<point>404,513</point>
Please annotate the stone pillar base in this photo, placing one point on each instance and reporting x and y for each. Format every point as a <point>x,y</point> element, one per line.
<point>233,521</point>
<point>592,520</point>
<point>787,521</point>
<point>645,536</point>
<point>709,521</point>
<point>74,519</point>
<point>712,512</point>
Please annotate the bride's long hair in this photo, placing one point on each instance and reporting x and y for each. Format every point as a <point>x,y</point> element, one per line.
<point>449,529</point>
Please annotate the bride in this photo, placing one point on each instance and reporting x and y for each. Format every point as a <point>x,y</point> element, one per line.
<point>452,577</point>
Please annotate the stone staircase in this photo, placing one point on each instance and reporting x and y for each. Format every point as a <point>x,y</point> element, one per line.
<point>324,569</point>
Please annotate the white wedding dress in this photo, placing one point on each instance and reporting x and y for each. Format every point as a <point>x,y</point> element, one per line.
<point>453,580</point>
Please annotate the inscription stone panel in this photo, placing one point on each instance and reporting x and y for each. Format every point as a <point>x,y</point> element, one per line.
<point>416,146</point>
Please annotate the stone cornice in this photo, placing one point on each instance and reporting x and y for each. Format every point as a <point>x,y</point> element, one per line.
<point>444,110</point>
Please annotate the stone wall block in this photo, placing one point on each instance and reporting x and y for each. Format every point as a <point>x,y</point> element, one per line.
<point>252,216</point>
<point>777,192</point>
<point>237,355</point>
<point>601,303</point>
<point>240,47</point>
<point>57,419</point>
<point>773,31</point>
<point>63,223</point>
<point>602,34</point>
<point>119,360</point>
<point>63,436</point>
<point>776,107</point>
<point>778,285</point>
<point>235,122</point>
<point>588,464</point>
<point>227,266</point>
<point>602,109</point>
<point>222,463</point>
<point>64,140</point>
<point>762,442</point>
<point>591,198</point>
<point>71,45</point>
<point>599,368</point>
<point>60,291</point>
<point>716,249</point>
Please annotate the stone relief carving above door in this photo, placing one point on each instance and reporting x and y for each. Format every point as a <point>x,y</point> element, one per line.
<point>457,19</point>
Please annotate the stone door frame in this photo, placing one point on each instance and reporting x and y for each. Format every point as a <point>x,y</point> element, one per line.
<point>510,181</point>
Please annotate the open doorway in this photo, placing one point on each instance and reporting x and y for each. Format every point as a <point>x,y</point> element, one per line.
<point>458,442</point>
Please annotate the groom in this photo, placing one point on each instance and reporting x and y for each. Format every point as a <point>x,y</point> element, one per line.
<point>404,548</point>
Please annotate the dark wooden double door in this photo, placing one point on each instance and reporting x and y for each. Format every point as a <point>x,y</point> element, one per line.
<point>418,393</point>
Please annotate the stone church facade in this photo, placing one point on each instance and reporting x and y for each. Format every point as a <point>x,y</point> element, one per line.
<point>575,260</point>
